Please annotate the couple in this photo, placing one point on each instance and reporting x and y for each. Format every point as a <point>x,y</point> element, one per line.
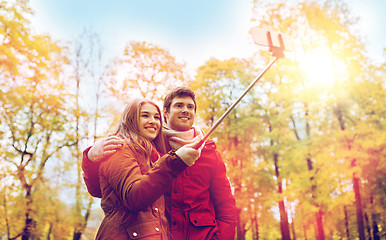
<point>153,183</point>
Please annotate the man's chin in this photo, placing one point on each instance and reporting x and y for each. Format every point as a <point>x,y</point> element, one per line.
<point>184,128</point>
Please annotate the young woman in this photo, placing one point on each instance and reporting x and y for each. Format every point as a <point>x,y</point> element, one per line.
<point>134,179</point>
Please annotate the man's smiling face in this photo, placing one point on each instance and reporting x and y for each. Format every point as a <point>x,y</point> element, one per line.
<point>181,113</point>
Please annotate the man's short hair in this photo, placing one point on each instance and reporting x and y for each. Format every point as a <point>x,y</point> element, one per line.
<point>179,92</point>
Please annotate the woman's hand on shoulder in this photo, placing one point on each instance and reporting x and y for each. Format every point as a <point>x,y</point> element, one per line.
<point>105,147</point>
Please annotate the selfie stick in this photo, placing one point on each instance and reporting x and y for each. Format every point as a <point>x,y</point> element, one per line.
<point>277,52</point>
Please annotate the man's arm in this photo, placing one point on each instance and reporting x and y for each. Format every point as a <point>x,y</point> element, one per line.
<point>223,200</point>
<point>91,161</point>
<point>91,175</point>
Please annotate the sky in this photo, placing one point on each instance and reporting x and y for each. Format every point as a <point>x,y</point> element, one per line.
<point>192,30</point>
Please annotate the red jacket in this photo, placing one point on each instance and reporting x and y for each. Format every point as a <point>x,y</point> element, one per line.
<point>199,205</point>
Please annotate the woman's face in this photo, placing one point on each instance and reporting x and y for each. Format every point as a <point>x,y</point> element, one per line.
<point>149,121</point>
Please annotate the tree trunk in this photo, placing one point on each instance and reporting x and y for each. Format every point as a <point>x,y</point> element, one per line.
<point>305,232</point>
<point>240,227</point>
<point>79,229</point>
<point>78,212</point>
<point>26,235</point>
<point>376,233</point>
<point>358,205</point>
<point>374,217</point>
<point>368,227</point>
<point>240,232</point>
<point>256,229</point>
<point>284,226</point>
<point>254,223</point>
<point>77,235</point>
<point>318,214</point>
<point>346,222</point>
<point>319,230</point>
<point>319,224</point>
<point>49,231</point>
<point>293,230</point>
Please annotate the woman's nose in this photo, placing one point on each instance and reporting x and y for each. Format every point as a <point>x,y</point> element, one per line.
<point>152,119</point>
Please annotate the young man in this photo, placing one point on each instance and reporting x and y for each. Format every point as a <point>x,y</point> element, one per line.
<point>200,204</point>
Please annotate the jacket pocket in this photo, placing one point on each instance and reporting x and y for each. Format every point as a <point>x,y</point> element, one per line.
<point>202,219</point>
<point>203,226</point>
<point>145,230</point>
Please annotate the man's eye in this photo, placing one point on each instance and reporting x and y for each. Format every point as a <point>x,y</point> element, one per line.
<point>190,107</point>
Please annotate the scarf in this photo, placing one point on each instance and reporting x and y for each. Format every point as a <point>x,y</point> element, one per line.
<point>178,139</point>
<point>154,155</point>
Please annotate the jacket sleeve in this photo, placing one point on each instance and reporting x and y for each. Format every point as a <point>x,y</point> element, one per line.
<point>137,191</point>
<point>91,175</point>
<point>223,200</point>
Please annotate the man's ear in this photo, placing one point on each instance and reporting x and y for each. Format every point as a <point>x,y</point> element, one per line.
<point>165,113</point>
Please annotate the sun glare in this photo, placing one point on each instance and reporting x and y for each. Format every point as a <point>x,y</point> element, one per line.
<point>321,68</point>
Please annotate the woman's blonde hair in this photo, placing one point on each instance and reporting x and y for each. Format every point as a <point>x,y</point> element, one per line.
<point>128,129</point>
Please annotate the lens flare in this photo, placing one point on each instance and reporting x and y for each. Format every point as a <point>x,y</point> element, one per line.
<point>321,67</point>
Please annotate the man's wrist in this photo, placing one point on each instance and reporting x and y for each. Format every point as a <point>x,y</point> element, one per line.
<point>86,154</point>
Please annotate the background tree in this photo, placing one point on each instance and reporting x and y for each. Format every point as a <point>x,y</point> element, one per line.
<point>145,70</point>
<point>277,138</point>
<point>81,65</point>
<point>325,26</point>
<point>34,117</point>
